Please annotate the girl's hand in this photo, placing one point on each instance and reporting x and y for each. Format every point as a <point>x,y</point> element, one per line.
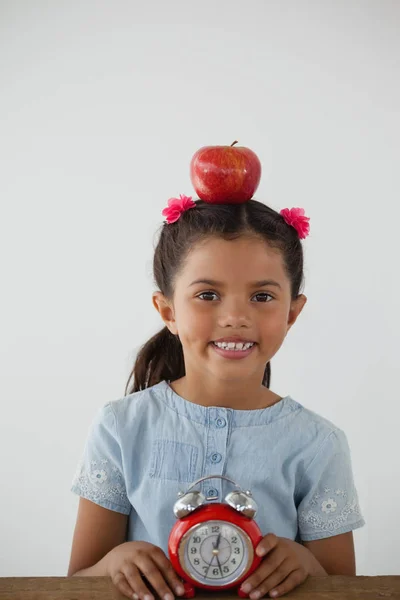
<point>286,565</point>
<point>127,563</point>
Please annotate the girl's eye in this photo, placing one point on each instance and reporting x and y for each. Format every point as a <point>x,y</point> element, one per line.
<point>210,296</point>
<point>263,297</point>
<point>206,296</point>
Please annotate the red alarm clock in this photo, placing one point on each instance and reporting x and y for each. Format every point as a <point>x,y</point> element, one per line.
<point>212,546</point>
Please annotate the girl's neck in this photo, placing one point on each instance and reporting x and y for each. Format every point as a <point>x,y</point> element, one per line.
<point>245,396</point>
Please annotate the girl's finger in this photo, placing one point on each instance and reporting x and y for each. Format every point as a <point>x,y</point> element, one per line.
<point>122,585</point>
<point>264,571</point>
<point>278,576</point>
<point>152,572</point>
<point>134,578</point>
<point>268,543</point>
<point>168,572</point>
<point>293,580</point>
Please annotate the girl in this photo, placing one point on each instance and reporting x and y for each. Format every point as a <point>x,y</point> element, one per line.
<point>229,280</point>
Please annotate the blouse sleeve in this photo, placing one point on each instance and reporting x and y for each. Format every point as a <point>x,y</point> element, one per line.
<point>100,475</point>
<point>328,501</point>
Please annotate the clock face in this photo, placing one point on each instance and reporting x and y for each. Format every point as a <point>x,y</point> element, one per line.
<point>216,553</point>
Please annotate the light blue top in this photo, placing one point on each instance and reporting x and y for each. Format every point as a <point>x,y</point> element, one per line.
<point>144,448</point>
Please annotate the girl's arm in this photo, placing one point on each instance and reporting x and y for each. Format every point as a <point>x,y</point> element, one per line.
<point>97,531</point>
<point>335,554</point>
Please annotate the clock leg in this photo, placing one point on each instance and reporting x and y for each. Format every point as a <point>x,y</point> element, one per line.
<point>190,591</point>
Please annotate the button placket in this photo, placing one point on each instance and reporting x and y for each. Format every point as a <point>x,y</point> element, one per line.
<point>212,492</point>
<point>216,457</point>
<point>217,436</point>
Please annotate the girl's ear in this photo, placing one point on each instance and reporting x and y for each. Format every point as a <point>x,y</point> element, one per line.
<point>296,307</point>
<point>166,311</point>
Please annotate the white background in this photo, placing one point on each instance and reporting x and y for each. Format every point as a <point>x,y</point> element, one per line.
<point>102,105</point>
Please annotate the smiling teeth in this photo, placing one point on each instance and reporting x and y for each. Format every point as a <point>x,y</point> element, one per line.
<point>234,346</point>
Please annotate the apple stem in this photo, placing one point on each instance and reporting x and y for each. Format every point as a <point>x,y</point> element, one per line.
<point>234,143</point>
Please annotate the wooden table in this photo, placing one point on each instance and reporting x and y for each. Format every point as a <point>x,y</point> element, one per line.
<point>101,588</point>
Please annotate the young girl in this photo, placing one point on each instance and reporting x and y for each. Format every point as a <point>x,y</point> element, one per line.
<point>229,280</point>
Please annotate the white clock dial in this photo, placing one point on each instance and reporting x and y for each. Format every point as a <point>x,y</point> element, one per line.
<point>216,552</point>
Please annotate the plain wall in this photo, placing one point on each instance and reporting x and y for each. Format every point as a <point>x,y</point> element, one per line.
<point>102,105</point>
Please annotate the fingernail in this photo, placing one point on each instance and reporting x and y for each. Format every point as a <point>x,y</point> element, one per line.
<point>180,589</point>
<point>148,597</point>
<point>169,597</point>
<point>135,596</point>
<point>246,588</point>
<point>261,551</point>
<point>273,594</point>
<point>255,595</point>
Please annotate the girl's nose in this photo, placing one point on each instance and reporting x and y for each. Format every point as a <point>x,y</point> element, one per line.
<point>235,316</point>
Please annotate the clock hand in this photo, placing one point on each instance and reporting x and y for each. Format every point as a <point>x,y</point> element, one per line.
<point>218,561</point>
<point>220,569</point>
<point>216,556</point>
<point>209,565</point>
<point>215,547</point>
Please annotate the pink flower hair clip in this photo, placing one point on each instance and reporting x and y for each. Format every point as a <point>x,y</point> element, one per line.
<point>295,217</point>
<point>176,206</point>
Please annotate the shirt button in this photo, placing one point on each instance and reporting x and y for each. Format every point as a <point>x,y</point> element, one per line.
<point>216,457</point>
<point>221,422</point>
<point>212,493</point>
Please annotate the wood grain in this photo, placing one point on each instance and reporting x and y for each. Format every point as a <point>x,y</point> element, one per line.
<point>101,588</point>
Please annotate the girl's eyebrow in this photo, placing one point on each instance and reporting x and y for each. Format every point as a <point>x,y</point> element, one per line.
<point>256,284</point>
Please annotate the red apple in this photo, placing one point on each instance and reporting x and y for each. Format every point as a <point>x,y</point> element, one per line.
<point>225,174</point>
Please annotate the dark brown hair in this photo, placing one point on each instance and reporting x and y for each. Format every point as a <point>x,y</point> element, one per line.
<point>161,358</point>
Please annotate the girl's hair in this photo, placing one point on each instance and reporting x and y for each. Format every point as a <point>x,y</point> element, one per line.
<point>161,358</point>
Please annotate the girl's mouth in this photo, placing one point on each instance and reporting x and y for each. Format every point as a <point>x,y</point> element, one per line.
<point>233,350</point>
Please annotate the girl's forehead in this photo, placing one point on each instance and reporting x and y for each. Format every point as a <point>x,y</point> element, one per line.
<point>245,257</point>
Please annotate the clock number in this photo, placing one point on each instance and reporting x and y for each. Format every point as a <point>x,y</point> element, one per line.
<point>196,540</point>
<point>193,550</point>
<point>215,529</point>
<point>196,561</point>
<point>226,569</point>
<point>233,561</point>
<point>236,550</point>
<point>234,539</point>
